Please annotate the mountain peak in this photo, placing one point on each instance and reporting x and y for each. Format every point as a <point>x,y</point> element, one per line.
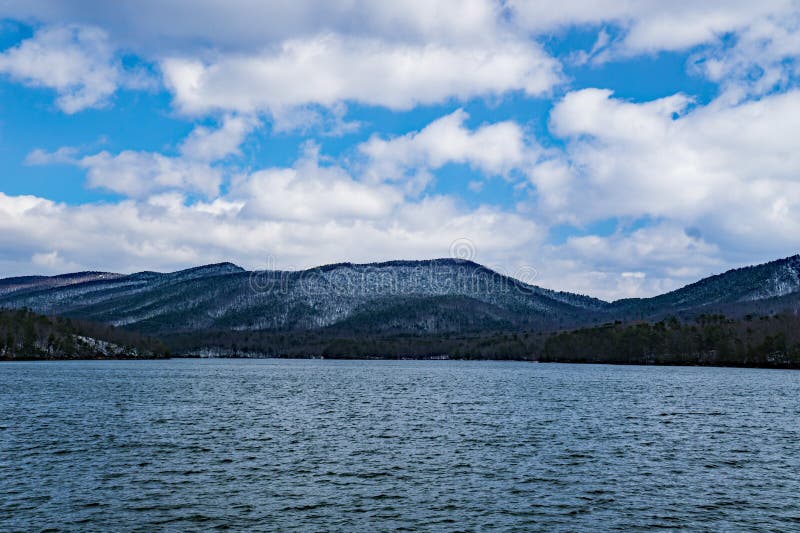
<point>402,263</point>
<point>212,269</point>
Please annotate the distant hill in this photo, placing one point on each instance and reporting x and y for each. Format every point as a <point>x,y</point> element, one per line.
<point>417,295</point>
<point>740,290</point>
<point>396,297</point>
<point>9,285</point>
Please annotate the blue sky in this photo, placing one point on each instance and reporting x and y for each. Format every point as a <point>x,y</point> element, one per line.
<point>617,150</point>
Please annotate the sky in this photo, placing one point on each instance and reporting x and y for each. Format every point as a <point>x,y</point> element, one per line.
<point>615,148</point>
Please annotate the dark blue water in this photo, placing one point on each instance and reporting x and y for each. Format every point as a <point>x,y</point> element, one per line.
<point>191,444</point>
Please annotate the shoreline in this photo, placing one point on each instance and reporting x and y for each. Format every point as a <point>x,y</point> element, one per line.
<point>432,359</point>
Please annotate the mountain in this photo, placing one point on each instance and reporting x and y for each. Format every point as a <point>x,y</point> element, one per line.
<point>9,285</point>
<point>416,297</point>
<point>741,290</point>
<point>412,295</point>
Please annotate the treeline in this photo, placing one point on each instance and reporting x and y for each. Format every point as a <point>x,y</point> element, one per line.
<point>25,335</point>
<point>714,340</point>
<point>769,341</point>
<point>337,345</point>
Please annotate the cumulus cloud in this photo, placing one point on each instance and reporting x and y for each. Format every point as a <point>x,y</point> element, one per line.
<point>166,232</point>
<point>207,144</point>
<point>494,149</point>
<point>190,25</point>
<point>52,263</point>
<point>650,25</point>
<point>277,56</point>
<point>659,246</point>
<point>77,62</point>
<point>643,262</point>
<point>140,174</point>
<point>731,169</point>
<point>61,156</point>
<point>310,192</point>
<point>330,69</point>
<point>762,58</point>
<point>301,215</point>
<point>270,57</point>
<point>748,47</point>
<point>328,122</point>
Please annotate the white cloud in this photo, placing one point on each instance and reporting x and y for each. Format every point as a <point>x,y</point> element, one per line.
<point>763,58</point>
<point>276,57</point>
<point>650,25</point>
<point>329,69</point>
<point>303,215</point>
<point>77,62</point>
<point>475,186</point>
<point>206,144</point>
<point>749,48</point>
<point>250,25</point>
<point>630,263</point>
<point>328,122</point>
<point>62,156</point>
<point>168,233</point>
<point>140,174</point>
<point>309,192</point>
<point>52,263</point>
<point>494,149</point>
<point>659,246</point>
<point>157,27</point>
<point>731,169</point>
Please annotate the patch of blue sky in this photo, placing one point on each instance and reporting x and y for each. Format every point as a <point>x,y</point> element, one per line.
<point>133,120</point>
<point>561,233</point>
<point>638,79</point>
<point>475,189</point>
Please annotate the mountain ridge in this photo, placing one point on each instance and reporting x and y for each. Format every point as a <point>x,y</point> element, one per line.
<point>412,295</point>
<point>733,286</point>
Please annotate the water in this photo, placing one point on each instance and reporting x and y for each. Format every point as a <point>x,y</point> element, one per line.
<point>379,445</point>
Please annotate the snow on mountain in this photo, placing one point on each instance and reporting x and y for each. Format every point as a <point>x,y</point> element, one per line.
<point>427,295</point>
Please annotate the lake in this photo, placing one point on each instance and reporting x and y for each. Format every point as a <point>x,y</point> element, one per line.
<point>380,445</point>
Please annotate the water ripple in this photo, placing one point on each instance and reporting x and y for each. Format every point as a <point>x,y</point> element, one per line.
<point>378,445</point>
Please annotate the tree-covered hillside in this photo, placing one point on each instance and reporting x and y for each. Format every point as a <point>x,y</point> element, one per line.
<point>439,296</point>
<point>26,335</point>
<point>767,341</point>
